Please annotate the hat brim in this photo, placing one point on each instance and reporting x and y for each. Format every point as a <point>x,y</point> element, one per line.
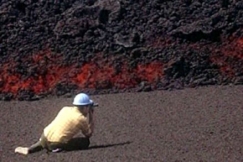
<point>90,102</point>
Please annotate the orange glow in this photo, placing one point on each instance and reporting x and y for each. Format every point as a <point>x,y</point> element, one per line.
<point>94,76</point>
<point>150,72</point>
<point>234,49</point>
<point>43,79</point>
<point>45,71</point>
<point>230,53</point>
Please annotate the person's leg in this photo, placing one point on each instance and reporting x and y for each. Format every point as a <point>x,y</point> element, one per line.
<point>85,143</point>
<point>40,145</point>
<point>56,147</point>
<point>28,150</point>
<point>33,148</point>
<point>74,144</point>
<point>36,147</point>
<point>79,143</point>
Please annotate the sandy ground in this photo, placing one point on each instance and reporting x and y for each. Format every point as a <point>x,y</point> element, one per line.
<point>196,125</point>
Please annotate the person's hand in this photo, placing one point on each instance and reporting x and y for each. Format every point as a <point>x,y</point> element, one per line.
<point>91,110</point>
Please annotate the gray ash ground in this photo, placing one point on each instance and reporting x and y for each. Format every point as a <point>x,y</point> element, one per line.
<point>194,124</point>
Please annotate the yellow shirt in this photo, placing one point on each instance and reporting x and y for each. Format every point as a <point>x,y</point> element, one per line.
<point>67,123</point>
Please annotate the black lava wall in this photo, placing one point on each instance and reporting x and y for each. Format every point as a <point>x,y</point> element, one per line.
<point>110,46</point>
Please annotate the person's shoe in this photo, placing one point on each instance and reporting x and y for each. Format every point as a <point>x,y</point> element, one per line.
<point>57,150</point>
<point>22,150</point>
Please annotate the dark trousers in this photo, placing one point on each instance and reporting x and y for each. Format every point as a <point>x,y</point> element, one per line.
<point>73,144</point>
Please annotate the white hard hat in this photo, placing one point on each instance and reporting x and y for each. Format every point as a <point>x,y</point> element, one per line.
<point>82,99</point>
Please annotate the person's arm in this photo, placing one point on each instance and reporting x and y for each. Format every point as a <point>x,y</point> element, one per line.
<point>88,126</point>
<point>91,120</point>
<point>86,130</point>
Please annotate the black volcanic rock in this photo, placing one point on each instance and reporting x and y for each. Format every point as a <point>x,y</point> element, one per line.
<point>188,37</point>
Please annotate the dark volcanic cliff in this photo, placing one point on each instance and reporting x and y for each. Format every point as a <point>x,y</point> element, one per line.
<point>106,46</point>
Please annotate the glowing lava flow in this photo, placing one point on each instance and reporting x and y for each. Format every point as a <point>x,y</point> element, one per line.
<point>40,74</point>
<point>44,71</point>
<point>230,57</point>
<point>93,75</point>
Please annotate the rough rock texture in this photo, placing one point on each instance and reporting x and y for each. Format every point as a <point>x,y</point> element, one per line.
<point>107,46</point>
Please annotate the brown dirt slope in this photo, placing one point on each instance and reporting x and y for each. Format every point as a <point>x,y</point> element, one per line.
<point>203,124</point>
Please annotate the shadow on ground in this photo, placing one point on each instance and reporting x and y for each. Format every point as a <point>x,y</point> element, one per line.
<point>81,143</point>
